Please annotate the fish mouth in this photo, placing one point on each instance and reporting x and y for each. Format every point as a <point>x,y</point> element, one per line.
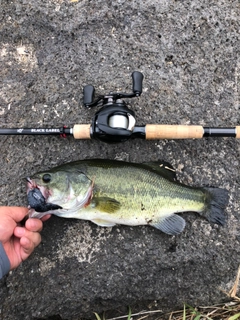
<point>53,208</point>
<point>31,184</point>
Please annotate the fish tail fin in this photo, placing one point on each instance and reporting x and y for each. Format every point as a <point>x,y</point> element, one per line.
<point>216,203</point>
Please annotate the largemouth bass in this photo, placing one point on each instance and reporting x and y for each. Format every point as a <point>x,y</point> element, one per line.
<point>109,192</point>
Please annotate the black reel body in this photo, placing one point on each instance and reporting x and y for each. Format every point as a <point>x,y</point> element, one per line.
<point>114,122</point>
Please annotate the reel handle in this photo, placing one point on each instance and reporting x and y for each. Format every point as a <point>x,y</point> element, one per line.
<point>88,94</point>
<point>137,78</point>
<point>102,100</point>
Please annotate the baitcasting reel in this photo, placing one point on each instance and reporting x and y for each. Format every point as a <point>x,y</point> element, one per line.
<point>114,122</point>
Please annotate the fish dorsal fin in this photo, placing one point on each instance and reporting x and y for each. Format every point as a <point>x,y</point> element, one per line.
<point>106,204</point>
<point>172,224</point>
<point>163,168</point>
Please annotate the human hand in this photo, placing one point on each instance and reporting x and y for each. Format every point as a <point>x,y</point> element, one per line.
<point>19,241</point>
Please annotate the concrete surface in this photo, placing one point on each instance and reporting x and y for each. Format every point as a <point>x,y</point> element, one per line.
<point>188,52</point>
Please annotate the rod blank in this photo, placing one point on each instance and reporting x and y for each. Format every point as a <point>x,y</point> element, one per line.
<point>35,131</point>
<point>32,131</point>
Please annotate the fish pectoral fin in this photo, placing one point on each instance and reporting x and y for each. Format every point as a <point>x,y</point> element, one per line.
<point>106,204</point>
<point>103,223</point>
<point>171,225</point>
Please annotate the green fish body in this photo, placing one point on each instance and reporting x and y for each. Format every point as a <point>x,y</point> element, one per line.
<point>112,192</point>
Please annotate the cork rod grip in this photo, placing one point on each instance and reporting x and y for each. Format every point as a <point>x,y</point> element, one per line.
<point>81,131</point>
<point>159,131</point>
<point>238,132</point>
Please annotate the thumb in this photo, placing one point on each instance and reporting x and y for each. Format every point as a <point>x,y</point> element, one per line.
<point>16,213</point>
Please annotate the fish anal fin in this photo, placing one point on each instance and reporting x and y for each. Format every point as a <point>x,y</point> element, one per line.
<point>171,225</point>
<point>103,223</point>
<point>106,204</point>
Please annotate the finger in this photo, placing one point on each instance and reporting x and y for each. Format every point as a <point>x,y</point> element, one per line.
<point>29,244</point>
<point>19,231</point>
<point>33,237</point>
<point>34,224</point>
<point>16,213</point>
<point>46,217</point>
<point>27,247</point>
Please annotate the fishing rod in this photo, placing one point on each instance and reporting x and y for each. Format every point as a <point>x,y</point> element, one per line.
<point>115,122</point>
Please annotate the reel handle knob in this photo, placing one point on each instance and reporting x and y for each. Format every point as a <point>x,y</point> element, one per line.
<point>88,94</point>
<point>137,78</point>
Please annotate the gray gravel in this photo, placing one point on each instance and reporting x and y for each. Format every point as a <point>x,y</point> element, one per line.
<point>188,52</point>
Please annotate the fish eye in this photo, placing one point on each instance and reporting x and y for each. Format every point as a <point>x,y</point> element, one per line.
<point>46,178</point>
